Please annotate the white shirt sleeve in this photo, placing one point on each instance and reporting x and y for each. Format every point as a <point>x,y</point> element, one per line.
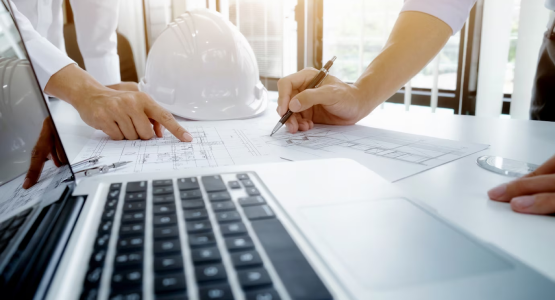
<point>95,23</point>
<point>46,58</point>
<point>452,12</point>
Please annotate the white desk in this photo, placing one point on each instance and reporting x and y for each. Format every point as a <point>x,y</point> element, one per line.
<point>456,190</point>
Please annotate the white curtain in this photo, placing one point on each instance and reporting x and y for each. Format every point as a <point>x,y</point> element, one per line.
<point>494,50</point>
<point>131,25</point>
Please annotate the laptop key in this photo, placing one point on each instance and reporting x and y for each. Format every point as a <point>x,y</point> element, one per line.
<point>234,184</point>
<point>162,248</point>
<point>162,190</point>
<point>243,176</point>
<point>253,191</point>
<point>165,232</point>
<point>247,183</point>
<point>233,229</point>
<point>115,186</point>
<point>97,258</point>
<point>113,194</point>
<point>198,226</point>
<point>163,199</point>
<point>133,217</point>
<point>213,183</point>
<point>164,220</point>
<point>162,209</point>
<point>102,241</point>
<point>168,263</point>
<point>286,256</point>
<point>169,283</point>
<point>192,204</point>
<point>89,293</point>
<point>126,260</point>
<point>210,273</point>
<point>131,229</point>
<point>228,216</point>
<point>246,259</point>
<point>163,182</point>
<point>223,206</point>
<point>218,292</point>
<point>105,227</point>
<point>201,240</point>
<point>137,186</point>
<point>193,215</point>
<point>134,206</point>
<point>206,255</point>
<point>127,277</point>
<point>108,214</point>
<point>258,212</point>
<point>112,203</point>
<point>239,243</point>
<point>188,195</point>
<point>185,184</point>
<point>93,276</point>
<point>219,196</point>
<point>254,278</point>
<point>126,295</point>
<point>141,196</point>
<point>266,294</point>
<point>253,200</point>
<point>131,243</point>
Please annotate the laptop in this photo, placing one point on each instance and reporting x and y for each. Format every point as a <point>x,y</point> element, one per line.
<point>311,230</point>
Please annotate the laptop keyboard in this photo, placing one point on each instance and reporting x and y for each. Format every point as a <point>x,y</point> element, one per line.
<point>9,228</point>
<point>210,237</point>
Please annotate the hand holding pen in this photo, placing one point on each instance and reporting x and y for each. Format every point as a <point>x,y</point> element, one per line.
<point>316,81</point>
<point>333,102</point>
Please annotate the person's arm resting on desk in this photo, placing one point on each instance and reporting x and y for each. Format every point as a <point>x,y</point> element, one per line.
<point>415,40</point>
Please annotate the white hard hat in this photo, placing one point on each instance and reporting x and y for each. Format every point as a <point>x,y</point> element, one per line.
<point>202,68</point>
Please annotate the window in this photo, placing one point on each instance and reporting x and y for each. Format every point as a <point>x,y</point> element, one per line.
<point>356,31</point>
<point>271,30</point>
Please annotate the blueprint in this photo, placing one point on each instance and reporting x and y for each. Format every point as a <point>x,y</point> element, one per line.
<point>214,144</point>
<point>393,155</point>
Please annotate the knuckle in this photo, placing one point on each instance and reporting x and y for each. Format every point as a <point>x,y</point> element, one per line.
<point>166,116</point>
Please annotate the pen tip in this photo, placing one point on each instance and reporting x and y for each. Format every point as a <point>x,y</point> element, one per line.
<point>333,58</point>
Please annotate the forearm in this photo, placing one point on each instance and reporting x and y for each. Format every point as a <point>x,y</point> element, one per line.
<point>415,40</point>
<point>71,83</point>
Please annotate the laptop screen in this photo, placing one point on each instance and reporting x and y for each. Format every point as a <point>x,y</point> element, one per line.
<point>32,160</point>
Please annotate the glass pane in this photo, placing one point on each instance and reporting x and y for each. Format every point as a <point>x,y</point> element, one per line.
<point>271,30</point>
<point>510,70</point>
<point>356,31</point>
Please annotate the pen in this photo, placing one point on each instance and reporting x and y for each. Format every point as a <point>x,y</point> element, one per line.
<point>313,84</point>
<point>91,160</point>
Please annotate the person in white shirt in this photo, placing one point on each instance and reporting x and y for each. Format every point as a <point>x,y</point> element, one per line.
<point>103,102</point>
<point>420,32</point>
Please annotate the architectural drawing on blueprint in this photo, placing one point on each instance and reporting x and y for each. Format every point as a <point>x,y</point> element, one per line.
<point>388,144</point>
<point>211,146</point>
<point>393,155</point>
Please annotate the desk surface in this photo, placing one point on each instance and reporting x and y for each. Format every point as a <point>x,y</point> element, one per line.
<point>459,188</point>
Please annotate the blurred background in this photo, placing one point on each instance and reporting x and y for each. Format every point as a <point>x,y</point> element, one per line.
<point>289,35</point>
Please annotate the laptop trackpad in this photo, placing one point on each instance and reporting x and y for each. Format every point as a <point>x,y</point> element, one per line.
<point>392,243</point>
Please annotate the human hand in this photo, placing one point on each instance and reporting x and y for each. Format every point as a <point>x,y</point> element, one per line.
<point>130,115</point>
<point>47,147</point>
<point>120,114</point>
<point>531,194</point>
<point>334,102</point>
<point>125,86</point>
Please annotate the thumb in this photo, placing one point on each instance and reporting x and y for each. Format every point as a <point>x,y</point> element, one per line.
<point>308,98</point>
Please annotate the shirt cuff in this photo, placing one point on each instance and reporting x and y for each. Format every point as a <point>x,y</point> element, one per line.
<point>453,13</point>
<point>47,60</point>
<point>104,69</point>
